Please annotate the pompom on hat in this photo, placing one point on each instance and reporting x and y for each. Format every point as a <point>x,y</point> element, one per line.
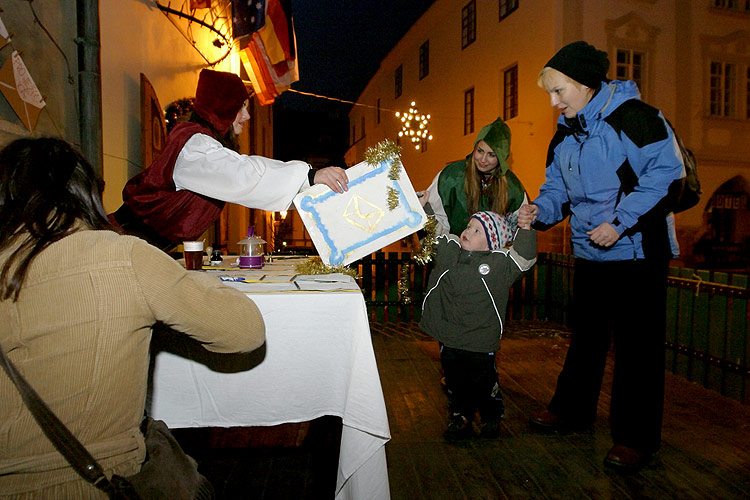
<point>498,229</point>
<point>497,136</point>
<point>581,62</point>
<point>219,97</point>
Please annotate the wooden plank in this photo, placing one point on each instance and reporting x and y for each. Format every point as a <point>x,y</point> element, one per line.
<point>684,326</point>
<point>699,335</point>
<point>379,291</point>
<point>366,283</point>
<point>542,287</point>
<point>405,273</point>
<point>402,474</point>
<point>392,276</point>
<point>530,295</point>
<point>737,342</point>
<point>672,320</point>
<point>717,335</point>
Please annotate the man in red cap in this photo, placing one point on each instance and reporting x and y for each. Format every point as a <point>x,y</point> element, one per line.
<point>184,190</point>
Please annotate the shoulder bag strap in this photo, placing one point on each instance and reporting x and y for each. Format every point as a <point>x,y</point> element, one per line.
<point>70,448</point>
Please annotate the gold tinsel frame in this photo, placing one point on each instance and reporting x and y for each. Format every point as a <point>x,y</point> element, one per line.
<point>423,256</point>
<point>387,150</point>
<point>315,265</point>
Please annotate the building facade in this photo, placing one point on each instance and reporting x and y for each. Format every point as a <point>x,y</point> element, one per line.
<point>136,38</point>
<point>466,62</point>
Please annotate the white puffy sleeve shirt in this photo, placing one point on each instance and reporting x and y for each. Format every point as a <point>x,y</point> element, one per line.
<point>206,167</point>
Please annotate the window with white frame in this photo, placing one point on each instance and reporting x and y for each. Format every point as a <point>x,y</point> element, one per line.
<point>722,85</point>
<point>506,7</point>
<point>468,24</point>
<point>469,112</point>
<point>631,65</point>
<point>510,93</point>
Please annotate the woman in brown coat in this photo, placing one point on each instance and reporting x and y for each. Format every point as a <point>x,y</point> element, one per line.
<point>77,306</point>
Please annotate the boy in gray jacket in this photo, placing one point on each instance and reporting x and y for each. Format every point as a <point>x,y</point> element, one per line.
<point>464,309</point>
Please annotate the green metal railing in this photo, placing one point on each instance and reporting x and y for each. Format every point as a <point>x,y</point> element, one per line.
<point>708,323</point>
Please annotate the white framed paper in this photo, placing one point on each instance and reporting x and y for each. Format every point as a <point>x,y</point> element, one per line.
<point>346,227</point>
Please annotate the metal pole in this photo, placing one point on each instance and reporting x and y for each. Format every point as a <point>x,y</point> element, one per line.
<point>89,83</point>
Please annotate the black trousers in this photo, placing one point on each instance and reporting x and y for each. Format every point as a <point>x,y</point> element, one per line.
<point>623,303</point>
<point>471,379</point>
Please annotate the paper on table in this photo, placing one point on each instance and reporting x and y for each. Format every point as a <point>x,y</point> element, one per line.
<point>325,282</point>
<point>346,227</point>
<point>323,278</point>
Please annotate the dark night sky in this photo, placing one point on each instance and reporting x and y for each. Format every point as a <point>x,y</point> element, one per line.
<point>340,44</point>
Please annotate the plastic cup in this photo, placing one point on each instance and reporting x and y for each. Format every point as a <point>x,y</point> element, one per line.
<point>193,251</point>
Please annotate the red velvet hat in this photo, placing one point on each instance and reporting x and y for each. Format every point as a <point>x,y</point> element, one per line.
<point>219,97</point>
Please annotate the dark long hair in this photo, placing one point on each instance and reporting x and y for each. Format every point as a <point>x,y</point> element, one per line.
<point>47,189</point>
<point>496,191</point>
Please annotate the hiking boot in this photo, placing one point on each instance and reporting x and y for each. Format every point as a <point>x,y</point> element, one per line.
<point>459,427</point>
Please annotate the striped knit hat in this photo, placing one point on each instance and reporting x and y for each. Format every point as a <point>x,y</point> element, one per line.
<point>498,228</point>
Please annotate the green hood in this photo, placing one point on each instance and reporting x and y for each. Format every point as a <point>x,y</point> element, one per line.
<point>497,135</point>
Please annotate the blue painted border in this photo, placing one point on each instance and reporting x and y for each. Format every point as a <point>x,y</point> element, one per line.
<point>308,204</point>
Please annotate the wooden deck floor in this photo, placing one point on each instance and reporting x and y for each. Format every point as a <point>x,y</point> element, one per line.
<point>705,452</point>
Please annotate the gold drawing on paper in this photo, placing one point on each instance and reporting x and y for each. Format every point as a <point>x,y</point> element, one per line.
<point>363,214</point>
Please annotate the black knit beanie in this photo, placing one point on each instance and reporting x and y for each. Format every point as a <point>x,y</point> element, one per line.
<point>582,62</point>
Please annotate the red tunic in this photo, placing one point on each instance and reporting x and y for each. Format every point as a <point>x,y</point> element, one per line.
<point>154,199</point>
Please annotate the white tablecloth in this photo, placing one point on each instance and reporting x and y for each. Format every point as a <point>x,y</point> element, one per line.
<point>317,360</point>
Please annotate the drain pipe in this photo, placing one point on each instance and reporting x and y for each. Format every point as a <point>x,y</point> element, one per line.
<point>90,84</point>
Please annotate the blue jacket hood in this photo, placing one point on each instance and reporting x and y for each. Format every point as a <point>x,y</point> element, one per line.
<point>610,96</point>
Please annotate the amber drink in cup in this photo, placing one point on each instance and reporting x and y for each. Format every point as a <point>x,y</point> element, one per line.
<point>193,251</point>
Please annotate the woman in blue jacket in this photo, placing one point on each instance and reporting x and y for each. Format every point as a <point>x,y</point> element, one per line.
<point>609,167</point>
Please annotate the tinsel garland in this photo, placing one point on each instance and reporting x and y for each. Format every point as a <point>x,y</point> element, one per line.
<point>403,284</point>
<point>392,199</point>
<point>423,256</point>
<point>387,151</point>
<point>314,265</point>
<point>428,242</point>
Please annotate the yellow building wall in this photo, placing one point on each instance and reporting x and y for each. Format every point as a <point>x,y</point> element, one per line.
<point>680,38</point>
<point>135,37</point>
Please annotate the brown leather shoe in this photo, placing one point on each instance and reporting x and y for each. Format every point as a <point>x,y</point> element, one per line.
<point>625,458</point>
<point>546,421</point>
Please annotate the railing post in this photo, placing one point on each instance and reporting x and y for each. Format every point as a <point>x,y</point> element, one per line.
<point>380,286</point>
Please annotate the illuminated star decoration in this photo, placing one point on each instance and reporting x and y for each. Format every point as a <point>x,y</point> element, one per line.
<point>415,126</point>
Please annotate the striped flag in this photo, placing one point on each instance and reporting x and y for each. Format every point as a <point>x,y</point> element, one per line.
<point>269,54</point>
